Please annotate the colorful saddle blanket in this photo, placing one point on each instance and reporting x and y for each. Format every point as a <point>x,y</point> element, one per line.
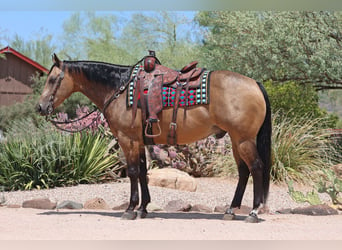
<point>194,96</point>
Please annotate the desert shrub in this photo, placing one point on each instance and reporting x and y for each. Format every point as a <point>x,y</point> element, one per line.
<point>42,157</point>
<point>293,100</point>
<point>18,111</point>
<point>205,158</point>
<point>301,149</point>
<point>336,140</point>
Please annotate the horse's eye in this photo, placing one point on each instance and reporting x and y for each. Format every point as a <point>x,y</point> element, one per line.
<point>52,80</point>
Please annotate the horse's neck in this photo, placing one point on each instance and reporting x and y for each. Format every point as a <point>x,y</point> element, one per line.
<point>96,92</point>
<point>97,81</point>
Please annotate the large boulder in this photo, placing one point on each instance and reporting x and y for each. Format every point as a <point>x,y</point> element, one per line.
<point>172,178</point>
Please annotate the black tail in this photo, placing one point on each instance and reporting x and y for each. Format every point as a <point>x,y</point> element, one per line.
<point>264,143</point>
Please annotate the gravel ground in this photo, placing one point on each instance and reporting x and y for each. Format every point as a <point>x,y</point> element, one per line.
<point>64,224</point>
<point>210,192</point>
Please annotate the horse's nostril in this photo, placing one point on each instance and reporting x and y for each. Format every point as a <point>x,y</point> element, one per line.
<point>39,108</point>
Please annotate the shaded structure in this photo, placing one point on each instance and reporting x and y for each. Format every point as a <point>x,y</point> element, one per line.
<point>16,71</point>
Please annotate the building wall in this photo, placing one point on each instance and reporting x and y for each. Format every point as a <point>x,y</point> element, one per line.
<point>7,99</point>
<point>17,72</point>
<point>16,68</point>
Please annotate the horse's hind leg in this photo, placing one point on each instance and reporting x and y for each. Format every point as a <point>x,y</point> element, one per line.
<point>240,190</point>
<point>248,152</point>
<point>145,194</point>
<point>241,186</point>
<point>248,160</point>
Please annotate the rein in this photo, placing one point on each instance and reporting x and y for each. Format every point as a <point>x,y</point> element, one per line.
<point>57,123</point>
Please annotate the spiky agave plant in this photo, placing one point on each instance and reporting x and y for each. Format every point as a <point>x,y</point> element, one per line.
<point>43,157</point>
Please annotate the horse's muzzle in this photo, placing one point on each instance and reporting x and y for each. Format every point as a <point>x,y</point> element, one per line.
<point>44,109</point>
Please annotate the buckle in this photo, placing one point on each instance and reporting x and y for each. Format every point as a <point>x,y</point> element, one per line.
<point>174,125</point>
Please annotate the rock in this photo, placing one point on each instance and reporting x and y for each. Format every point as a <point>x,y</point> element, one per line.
<point>221,209</point>
<point>177,206</point>
<point>201,208</point>
<point>69,205</point>
<point>96,203</point>
<point>152,207</point>
<point>315,210</point>
<point>43,203</point>
<point>123,206</point>
<point>172,178</point>
<point>13,206</point>
<point>284,211</point>
<point>242,210</point>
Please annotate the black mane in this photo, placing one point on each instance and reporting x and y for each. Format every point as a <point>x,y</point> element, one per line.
<point>100,72</point>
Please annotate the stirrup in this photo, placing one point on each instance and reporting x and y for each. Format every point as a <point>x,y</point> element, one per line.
<point>149,123</point>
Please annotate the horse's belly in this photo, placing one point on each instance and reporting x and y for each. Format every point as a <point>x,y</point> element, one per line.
<point>192,126</point>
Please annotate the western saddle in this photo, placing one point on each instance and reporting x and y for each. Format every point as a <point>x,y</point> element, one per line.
<point>151,77</point>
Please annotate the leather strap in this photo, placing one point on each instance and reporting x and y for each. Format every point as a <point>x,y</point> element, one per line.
<point>135,99</point>
<point>172,135</point>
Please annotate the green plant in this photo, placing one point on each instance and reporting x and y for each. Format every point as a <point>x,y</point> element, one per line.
<point>293,100</point>
<point>310,197</point>
<point>43,157</point>
<point>18,111</point>
<point>301,149</point>
<point>332,185</point>
<point>329,183</point>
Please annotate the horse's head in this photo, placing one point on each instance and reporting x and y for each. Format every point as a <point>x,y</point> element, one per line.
<point>58,87</point>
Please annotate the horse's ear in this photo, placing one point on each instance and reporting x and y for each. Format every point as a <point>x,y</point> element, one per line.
<point>56,60</point>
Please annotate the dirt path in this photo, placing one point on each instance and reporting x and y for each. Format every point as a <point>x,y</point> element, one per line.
<point>24,224</point>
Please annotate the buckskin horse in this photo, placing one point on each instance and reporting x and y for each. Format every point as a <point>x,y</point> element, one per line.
<point>238,106</point>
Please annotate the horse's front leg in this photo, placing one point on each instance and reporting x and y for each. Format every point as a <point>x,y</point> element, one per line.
<point>131,151</point>
<point>145,194</point>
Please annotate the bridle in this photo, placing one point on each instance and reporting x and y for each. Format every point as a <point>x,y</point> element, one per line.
<point>115,95</point>
<point>52,96</point>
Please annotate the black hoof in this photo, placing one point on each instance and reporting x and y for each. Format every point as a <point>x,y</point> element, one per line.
<point>252,219</point>
<point>141,214</point>
<point>229,216</point>
<point>129,215</point>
